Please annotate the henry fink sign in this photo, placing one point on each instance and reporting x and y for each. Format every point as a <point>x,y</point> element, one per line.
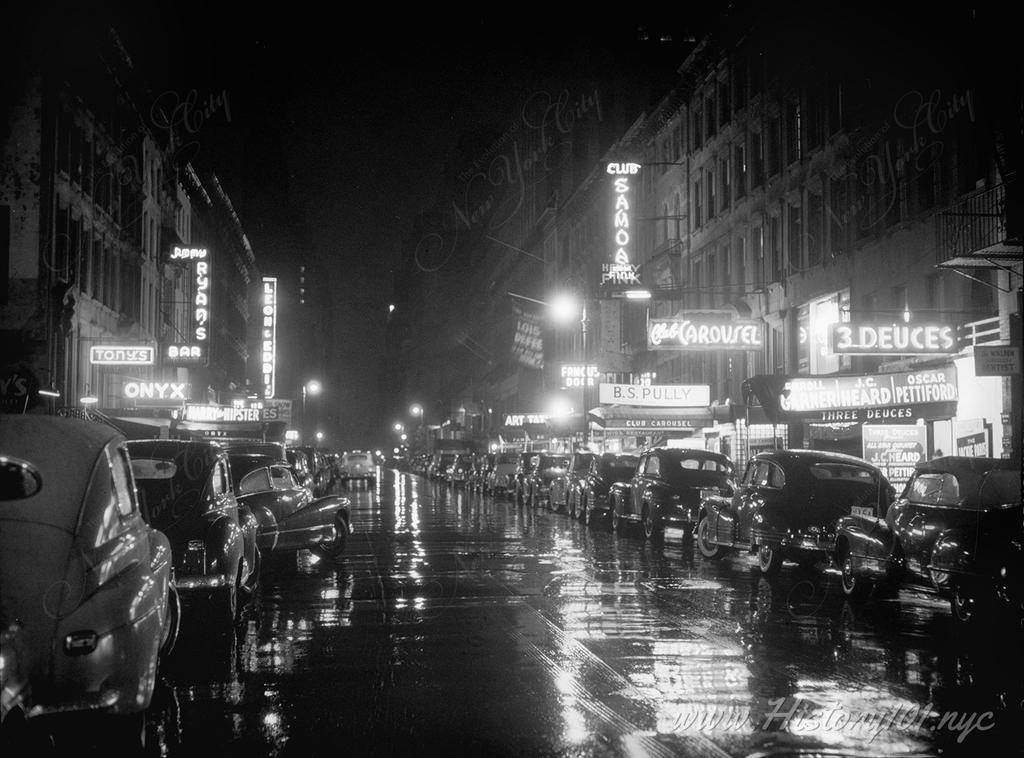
<point>704,331</point>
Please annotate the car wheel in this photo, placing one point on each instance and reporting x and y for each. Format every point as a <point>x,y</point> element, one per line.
<point>769,560</point>
<point>333,548</point>
<point>173,621</point>
<point>652,525</point>
<point>707,548</point>
<point>854,587</point>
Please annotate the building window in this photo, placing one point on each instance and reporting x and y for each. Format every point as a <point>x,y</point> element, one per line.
<point>725,172</point>
<point>709,116</point>
<point>757,253</point>
<point>773,146</point>
<point>792,131</point>
<point>775,247</point>
<point>698,210</point>
<point>758,167</point>
<point>739,162</point>
<point>834,107</point>
<point>795,232</point>
<point>742,265</point>
<point>698,125</point>
<point>709,182</point>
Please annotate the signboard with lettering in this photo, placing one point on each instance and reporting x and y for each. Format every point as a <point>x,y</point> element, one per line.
<point>122,355</point>
<point>578,375</point>
<point>659,395</point>
<point>895,449</point>
<point>996,360</point>
<point>641,425</point>
<point>221,413</point>
<point>277,410</point>
<point>520,419</point>
<point>194,350</point>
<point>620,274</point>
<point>268,335</point>
<point>157,393</point>
<point>802,395</point>
<point>893,339</point>
<point>970,438</point>
<point>702,330</point>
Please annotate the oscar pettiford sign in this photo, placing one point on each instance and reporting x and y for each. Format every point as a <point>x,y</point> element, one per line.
<point>658,395</point>
<point>866,398</point>
<point>699,330</point>
<point>893,339</point>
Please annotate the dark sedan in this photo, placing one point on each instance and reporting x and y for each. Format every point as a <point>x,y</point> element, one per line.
<point>537,484</point>
<point>787,506</point>
<point>665,489</point>
<point>565,488</point>
<point>956,529</point>
<point>605,470</point>
<point>524,468</point>
<point>185,491</point>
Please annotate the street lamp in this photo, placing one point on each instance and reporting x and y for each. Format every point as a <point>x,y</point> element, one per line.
<point>399,427</point>
<point>312,387</point>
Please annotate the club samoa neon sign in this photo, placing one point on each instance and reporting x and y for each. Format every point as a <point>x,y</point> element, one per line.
<point>620,272</point>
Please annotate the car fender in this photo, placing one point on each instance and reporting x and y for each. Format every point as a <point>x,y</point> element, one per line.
<point>870,542</point>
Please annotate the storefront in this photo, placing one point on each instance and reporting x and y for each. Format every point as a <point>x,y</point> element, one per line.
<point>625,428</point>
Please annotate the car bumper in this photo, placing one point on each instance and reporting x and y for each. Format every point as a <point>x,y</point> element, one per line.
<point>680,515</point>
<point>814,543</point>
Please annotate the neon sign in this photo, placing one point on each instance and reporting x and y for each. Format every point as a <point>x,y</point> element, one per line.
<point>169,391</point>
<point>893,339</point>
<point>704,331</point>
<point>620,272</point>
<point>122,355</point>
<point>268,335</point>
<point>194,351</point>
<point>221,413</point>
<point>578,375</point>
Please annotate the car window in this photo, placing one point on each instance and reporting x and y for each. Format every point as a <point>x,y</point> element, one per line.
<point>750,473</point>
<point>1000,487</point>
<point>123,483</point>
<point>255,481</point>
<point>693,464</point>
<point>934,489</point>
<point>653,467</point>
<point>824,471</point>
<point>18,479</point>
<point>282,478</point>
<point>768,475</point>
<point>220,482</point>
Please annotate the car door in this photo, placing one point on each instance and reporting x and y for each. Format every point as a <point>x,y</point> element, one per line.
<point>722,519</point>
<point>766,486</point>
<point>645,483</point>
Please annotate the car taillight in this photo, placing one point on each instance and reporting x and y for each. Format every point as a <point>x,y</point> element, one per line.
<point>195,557</point>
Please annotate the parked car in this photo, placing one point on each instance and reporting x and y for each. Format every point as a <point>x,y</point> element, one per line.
<point>605,470</point>
<point>565,488</point>
<point>186,491</point>
<point>320,472</point>
<point>358,465</point>
<point>956,529</point>
<point>302,469</point>
<point>537,484</point>
<point>788,505</point>
<point>665,489</point>
<point>500,477</point>
<point>438,467</point>
<point>525,466</point>
<point>289,517</point>
<point>88,581</point>
<point>458,472</point>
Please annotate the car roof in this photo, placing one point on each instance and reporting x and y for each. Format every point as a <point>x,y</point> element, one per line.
<point>789,457</point>
<point>65,452</point>
<point>953,463</point>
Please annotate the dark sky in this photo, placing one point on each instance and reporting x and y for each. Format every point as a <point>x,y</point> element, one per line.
<point>334,130</point>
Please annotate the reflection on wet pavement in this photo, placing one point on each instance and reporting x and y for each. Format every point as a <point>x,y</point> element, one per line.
<point>458,622</point>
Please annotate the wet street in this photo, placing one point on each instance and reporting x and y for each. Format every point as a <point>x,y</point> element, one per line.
<point>458,624</point>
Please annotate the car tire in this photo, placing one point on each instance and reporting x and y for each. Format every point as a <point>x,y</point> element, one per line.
<point>707,548</point>
<point>769,560</point>
<point>334,548</point>
<point>854,587</point>
<point>653,529</point>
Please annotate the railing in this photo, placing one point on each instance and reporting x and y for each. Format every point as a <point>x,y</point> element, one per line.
<point>975,224</point>
<point>981,332</point>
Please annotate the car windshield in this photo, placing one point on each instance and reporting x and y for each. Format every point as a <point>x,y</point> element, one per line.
<point>583,462</point>
<point>553,461</point>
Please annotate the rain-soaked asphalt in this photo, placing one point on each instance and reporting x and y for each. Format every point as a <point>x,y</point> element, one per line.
<point>462,625</point>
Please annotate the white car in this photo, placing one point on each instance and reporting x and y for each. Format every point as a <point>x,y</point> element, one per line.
<point>358,465</point>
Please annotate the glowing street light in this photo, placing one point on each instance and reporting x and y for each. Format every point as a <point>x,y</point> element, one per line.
<point>564,308</point>
<point>416,410</point>
<point>399,427</point>
<point>319,436</point>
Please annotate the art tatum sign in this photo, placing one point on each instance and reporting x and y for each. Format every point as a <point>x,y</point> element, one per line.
<point>268,335</point>
<point>620,274</point>
<point>704,331</point>
<point>195,350</point>
<point>893,339</point>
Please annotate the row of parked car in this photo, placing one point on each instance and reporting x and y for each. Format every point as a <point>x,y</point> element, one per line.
<point>107,544</point>
<point>956,527</point>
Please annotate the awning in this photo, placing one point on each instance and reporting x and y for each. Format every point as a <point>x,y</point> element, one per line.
<point>624,418</point>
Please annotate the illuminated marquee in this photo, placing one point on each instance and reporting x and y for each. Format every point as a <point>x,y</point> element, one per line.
<point>268,335</point>
<point>893,339</point>
<point>519,419</point>
<point>122,355</point>
<point>620,272</point>
<point>813,394</point>
<point>704,331</point>
<point>222,413</point>
<point>578,375</point>
<point>657,395</point>
<point>188,253</point>
<point>182,355</point>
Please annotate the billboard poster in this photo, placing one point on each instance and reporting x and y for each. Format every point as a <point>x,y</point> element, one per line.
<point>895,449</point>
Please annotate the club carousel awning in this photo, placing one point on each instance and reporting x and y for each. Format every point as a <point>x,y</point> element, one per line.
<point>620,418</point>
